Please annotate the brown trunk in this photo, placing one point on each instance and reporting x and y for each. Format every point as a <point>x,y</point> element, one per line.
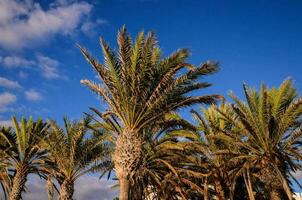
<point>219,190</point>
<point>124,188</point>
<point>18,183</point>
<point>66,190</point>
<point>127,158</point>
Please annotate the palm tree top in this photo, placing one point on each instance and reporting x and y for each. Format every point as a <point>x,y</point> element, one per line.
<point>140,85</point>
<point>24,139</point>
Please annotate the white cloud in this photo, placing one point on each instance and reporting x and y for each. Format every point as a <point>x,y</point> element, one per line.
<point>33,95</point>
<point>86,187</point>
<point>6,99</point>
<point>15,61</point>
<point>23,75</point>
<point>4,82</point>
<point>23,23</point>
<point>88,27</point>
<point>48,67</point>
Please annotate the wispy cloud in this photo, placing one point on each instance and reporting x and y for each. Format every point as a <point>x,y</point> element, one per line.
<point>9,84</point>
<point>89,27</point>
<point>23,75</point>
<point>15,61</point>
<point>48,67</point>
<point>23,23</point>
<point>6,99</point>
<point>33,95</point>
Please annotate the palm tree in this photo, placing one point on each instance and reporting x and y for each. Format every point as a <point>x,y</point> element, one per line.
<point>5,177</point>
<point>74,151</point>
<point>24,153</point>
<point>160,175</point>
<point>208,155</point>
<point>270,138</point>
<point>140,87</point>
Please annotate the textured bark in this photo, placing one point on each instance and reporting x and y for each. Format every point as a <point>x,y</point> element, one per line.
<point>124,188</point>
<point>66,190</point>
<point>271,179</point>
<point>219,190</point>
<point>127,158</point>
<point>18,183</point>
<point>275,194</point>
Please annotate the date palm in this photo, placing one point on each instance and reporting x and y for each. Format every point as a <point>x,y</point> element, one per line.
<point>161,174</point>
<point>73,152</point>
<point>271,135</point>
<point>5,176</point>
<point>24,154</point>
<point>208,155</point>
<point>139,87</point>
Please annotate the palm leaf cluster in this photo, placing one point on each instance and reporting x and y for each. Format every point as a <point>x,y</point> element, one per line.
<point>237,150</point>
<point>59,155</point>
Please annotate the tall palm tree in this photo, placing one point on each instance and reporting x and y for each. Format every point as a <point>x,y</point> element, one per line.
<point>271,133</point>
<point>140,87</point>
<point>24,153</point>
<point>73,152</point>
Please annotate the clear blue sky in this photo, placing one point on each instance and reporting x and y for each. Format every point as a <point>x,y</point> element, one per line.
<point>40,67</point>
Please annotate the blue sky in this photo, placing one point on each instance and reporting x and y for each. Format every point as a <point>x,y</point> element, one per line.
<point>254,42</point>
<point>41,69</point>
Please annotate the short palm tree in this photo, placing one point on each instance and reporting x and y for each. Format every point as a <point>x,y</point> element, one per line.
<point>24,153</point>
<point>208,155</point>
<point>270,140</point>
<point>73,152</point>
<point>140,87</point>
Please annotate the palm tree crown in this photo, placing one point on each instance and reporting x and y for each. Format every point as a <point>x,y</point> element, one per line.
<point>270,135</point>
<point>24,154</point>
<point>73,151</point>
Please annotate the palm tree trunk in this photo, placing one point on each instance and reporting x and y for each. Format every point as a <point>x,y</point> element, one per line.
<point>127,157</point>
<point>219,189</point>
<point>67,190</point>
<point>124,188</point>
<point>18,183</point>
